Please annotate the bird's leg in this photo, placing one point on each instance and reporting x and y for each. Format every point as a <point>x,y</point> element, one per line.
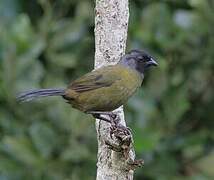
<point>113,118</point>
<point>98,116</point>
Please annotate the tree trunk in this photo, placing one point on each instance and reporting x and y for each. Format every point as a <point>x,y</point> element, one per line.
<point>111,24</point>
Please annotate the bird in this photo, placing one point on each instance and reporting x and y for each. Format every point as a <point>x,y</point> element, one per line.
<point>102,90</point>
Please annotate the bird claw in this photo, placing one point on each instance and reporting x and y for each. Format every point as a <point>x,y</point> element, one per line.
<point>113,116</point>
<point>121,132</point>
<point>133,164</point>
<point>124,136</point>
<point>114,147</point>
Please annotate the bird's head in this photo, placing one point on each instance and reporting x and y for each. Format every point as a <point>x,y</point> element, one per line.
<point>138,60</point>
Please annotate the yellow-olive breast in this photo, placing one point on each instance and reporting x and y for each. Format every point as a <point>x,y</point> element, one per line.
<point>103,89</point>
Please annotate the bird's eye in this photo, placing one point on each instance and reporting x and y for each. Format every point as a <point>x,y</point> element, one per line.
<point>140,57</point>
<point>147,58</point>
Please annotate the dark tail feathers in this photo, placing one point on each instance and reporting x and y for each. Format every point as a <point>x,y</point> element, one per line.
<point>30,95</point>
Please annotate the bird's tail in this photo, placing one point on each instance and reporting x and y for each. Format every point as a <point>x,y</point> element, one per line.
<point>34,94</point>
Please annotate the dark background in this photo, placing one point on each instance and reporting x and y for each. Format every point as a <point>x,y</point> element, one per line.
<point>47,43</point>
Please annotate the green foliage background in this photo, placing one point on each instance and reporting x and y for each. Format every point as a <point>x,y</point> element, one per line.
<point>47,43</point>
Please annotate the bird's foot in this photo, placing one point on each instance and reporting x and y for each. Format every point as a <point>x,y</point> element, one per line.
<point>122,141</point>
<point>121,137</point>
<point>134,164</point>
<point>119,131</point>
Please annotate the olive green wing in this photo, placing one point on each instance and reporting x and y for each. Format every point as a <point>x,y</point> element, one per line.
<point>103,77</point>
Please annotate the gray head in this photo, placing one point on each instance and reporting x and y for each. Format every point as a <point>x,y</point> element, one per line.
<point>138,60</point>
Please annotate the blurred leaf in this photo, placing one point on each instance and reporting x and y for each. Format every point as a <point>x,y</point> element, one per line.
<point>183,19</point>
<point>175,105</point>
<point>205,164</point>
<point>64,60</point>
<point>20,149</point>
<point>75,152</point>
<point>44,138</point>
<point>8,9</point>
<point>22,32</point>
<point>146,139</point>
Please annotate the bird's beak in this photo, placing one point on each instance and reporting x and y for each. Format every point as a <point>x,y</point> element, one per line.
<point>152,62</point>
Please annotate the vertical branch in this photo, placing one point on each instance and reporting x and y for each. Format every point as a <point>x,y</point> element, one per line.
<point>111,25</point>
